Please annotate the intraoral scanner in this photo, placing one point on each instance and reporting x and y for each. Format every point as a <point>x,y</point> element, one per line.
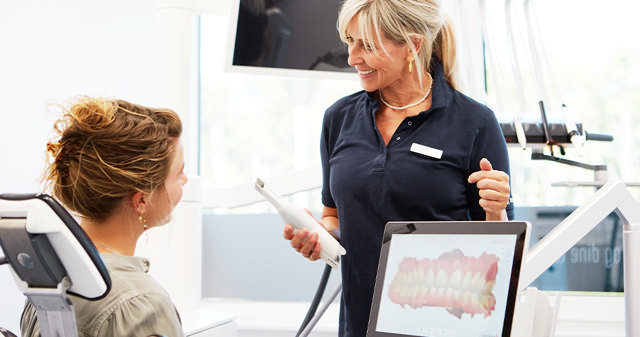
<point>299,219</point>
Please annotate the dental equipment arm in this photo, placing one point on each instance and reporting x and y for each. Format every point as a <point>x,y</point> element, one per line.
<point>515,66</point>
<point>613,196</point>
<point>541,65</point>
<point>492,62</point>
<point>576,137</point>
<point>536,51</point>
<point>299,219</point>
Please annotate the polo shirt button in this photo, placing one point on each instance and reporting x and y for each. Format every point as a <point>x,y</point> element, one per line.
<point>398,138</point>
<point>409,123</point>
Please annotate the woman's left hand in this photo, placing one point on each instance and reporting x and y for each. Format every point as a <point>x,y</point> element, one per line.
<point>494,190</point>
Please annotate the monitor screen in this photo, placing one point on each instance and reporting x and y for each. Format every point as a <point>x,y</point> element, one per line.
<point>456,280</point>
<point>288,34</point>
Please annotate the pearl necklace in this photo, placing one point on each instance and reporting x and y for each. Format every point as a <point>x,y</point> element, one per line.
<point>410,105</point>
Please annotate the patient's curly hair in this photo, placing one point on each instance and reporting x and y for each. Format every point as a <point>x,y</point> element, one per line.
<point>105,150</point>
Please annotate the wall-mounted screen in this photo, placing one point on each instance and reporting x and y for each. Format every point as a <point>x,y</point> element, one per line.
<point>288,34</point>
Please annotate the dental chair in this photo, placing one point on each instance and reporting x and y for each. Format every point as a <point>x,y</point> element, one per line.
<point>50,256</point>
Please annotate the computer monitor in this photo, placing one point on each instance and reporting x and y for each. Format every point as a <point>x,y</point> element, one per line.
<point>294,36</point>
<point>446,279</point>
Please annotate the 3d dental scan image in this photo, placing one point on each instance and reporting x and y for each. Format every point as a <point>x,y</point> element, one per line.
<point>442,279</point>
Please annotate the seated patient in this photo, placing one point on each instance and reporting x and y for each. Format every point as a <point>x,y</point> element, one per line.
<point>119,167</point>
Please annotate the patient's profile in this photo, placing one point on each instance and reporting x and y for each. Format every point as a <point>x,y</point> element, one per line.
<point>119,168</point>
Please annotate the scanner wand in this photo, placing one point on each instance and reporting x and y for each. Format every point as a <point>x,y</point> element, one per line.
<point>299,219</point>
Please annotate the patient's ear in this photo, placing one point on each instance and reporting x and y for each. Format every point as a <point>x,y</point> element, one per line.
<point>138,202</point>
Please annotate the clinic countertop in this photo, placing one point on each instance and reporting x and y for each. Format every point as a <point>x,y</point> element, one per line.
<point>273,318</point>
<point>579,315</point>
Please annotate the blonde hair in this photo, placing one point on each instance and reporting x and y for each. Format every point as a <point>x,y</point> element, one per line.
<point>399,20</point>
<point>106,150</point>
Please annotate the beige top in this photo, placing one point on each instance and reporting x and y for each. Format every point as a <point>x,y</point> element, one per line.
<point>136,306</point>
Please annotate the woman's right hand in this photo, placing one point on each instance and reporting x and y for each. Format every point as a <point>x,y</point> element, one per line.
<point>302,242</point>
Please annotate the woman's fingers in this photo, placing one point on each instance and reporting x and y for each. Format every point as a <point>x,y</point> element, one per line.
<point>302,242</point>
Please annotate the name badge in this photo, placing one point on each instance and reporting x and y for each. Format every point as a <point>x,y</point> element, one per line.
<point>426,151</point>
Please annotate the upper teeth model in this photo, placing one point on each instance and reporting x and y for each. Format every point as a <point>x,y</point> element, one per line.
<point>461,283</point>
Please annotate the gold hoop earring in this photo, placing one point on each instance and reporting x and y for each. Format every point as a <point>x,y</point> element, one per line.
<point>410,66</point>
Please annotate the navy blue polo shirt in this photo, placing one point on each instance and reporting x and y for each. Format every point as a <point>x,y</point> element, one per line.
<point>420,175</point>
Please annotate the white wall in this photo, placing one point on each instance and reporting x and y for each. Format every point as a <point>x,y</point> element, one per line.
<point>51,51</point>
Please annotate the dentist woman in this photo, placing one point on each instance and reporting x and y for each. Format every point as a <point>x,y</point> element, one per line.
<point>407,147</point>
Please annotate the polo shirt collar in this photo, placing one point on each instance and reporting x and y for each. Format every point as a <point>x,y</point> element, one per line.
<point>441,95</point>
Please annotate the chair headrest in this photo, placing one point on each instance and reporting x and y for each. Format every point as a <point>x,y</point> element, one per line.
<point>48,224</point>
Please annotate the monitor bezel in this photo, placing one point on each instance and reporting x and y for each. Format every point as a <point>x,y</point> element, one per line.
<point>519,228</point>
